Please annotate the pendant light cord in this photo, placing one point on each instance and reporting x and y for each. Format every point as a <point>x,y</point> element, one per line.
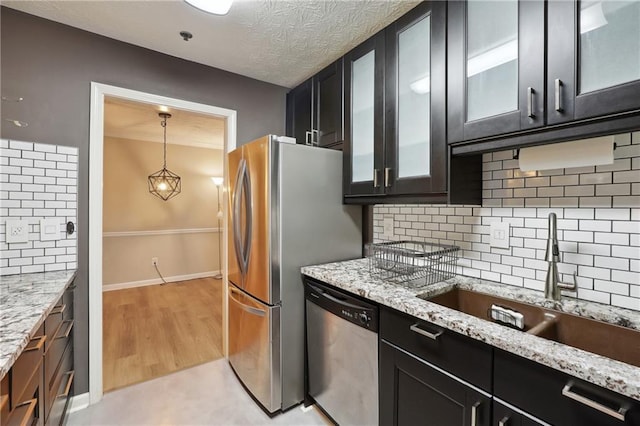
<point>164,127</point>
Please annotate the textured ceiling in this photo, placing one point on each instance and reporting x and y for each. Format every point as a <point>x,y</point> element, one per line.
<point>281,42</point>
<point>138,121</point>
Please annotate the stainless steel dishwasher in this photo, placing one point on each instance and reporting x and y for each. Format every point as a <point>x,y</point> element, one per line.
<point>342,354</point>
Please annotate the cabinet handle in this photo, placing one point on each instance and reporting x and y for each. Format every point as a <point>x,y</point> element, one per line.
<point>307,137</point>
<point>38,345</point>
<point>558,87</point>
<point>387,172</point>
<point>315,141</point>
<point>617,414</point>
<point>32,406</point>
<point>474,413</point>
<point>504,421</point>
<point>375,178</point>
<point>58,309</point>
<point>434,336</point>
<point>66,333</point>
<point>67,387</point>
<point>530,93</point>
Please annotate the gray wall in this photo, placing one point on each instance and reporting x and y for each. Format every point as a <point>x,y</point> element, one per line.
<point>51,66</point>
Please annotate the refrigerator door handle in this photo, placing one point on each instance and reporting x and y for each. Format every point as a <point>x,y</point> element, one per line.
<point>246,308</point>
<point>237,199</point>
<point>246,181</point>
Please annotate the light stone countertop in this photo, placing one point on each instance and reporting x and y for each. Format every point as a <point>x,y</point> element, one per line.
<point>354,276</point>
<point>25,302</point>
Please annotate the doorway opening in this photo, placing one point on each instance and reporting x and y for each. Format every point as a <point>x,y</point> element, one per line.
<point>161,276</point>
<point>105,147</point>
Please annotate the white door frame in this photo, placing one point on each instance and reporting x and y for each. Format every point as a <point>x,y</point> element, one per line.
<point>96,153</point>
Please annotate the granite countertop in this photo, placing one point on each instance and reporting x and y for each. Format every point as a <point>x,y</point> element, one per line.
<point>354,276</point>
<point>25,302</point>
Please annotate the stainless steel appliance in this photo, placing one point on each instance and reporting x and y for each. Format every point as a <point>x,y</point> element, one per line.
<point>342,351</point>
<point>286,211</point>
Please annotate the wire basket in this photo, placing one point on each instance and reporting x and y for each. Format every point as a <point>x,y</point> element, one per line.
<point>402,261</point>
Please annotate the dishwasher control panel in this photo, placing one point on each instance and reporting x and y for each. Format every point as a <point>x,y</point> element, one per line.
<point>342,304</point>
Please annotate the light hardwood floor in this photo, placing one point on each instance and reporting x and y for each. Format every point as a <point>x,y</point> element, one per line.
<point>152,331</point>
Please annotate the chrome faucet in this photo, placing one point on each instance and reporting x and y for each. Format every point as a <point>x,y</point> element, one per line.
<point>552,284</point>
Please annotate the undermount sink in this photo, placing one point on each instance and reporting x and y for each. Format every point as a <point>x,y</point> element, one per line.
<point>609,340</point>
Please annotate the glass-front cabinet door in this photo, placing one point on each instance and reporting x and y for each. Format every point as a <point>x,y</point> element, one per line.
<point>364,120</point>
<point>593,59</point>
<point>496,67</point>
<point>415,129</point>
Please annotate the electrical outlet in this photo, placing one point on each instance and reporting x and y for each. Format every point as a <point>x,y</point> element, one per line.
<point>154,261</point>
<point>17,231</point>
<point>388,227</point>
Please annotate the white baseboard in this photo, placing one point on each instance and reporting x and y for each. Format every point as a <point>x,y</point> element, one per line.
<point>154,281</point>
<point>79,402</point>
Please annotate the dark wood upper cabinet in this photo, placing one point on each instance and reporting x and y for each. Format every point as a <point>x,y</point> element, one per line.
<point>529,72</point>
<point>496,67</point>
<point>315,109</point>
<point>299,111</point>
<point>395,113</point>
<point>415,102</point>
<point>364,118</point>
<point>593,59</point>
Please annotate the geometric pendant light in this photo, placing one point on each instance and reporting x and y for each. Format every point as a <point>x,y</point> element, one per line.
<point>164,183</point>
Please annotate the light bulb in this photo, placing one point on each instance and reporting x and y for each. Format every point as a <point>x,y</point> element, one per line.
<point>162,186</point>
<point>217,181</point>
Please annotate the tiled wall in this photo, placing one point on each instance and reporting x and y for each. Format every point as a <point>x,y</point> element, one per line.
<point>598,210</point>
<point>38,181</point>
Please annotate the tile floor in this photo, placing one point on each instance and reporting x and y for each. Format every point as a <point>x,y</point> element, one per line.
<point>209,394</point>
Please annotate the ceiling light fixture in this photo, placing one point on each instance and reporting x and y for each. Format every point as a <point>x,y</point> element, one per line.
<point>164,183</point>
<point>217,7</point>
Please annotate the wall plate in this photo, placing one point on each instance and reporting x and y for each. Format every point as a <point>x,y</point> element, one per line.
<point>500,233</point>
<point>17,231</point>
<point>49,229</point>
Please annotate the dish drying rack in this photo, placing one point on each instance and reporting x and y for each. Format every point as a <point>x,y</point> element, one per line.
<point>402,261</point>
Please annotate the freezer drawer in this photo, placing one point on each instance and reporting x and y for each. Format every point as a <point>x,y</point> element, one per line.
<point>254,347</point>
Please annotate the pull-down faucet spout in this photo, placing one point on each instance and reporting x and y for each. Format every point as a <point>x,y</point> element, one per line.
<point>552,283</point>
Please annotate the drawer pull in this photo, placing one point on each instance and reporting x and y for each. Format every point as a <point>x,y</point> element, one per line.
<point>474,413</point>
<point>434,336</point>
<point>38,346</point>
<point>504,421</point>
<point>29,413</point>
<point>58,309</point>
<point>67,387</point>
<point>66,333</point>
<point>617,414</point>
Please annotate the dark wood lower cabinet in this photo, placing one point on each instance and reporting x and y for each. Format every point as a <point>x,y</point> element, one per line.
<point>557,398</point>
<point>413,392</point>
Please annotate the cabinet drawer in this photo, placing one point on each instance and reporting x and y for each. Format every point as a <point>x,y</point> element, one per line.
<point>25,370</point>
<point>460,355</point>
<point>24,413</point>
<point>54,353</point>
<point>53,321</point>
<point>56,397</point>
<point>558,398</point>
<point>67,300</point>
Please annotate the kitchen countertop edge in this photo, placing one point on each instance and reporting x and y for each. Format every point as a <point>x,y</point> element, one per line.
<point>354,277</point>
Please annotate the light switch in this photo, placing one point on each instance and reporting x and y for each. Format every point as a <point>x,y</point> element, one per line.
<point>500,232</point>
<point>49,229</point>
<point>17,231</point>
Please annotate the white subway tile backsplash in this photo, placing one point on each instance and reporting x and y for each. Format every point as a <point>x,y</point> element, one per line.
<point>598,225</point>
<point>29,171</point>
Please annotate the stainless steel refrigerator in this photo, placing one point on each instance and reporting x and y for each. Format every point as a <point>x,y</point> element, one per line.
<point>286,211</point>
